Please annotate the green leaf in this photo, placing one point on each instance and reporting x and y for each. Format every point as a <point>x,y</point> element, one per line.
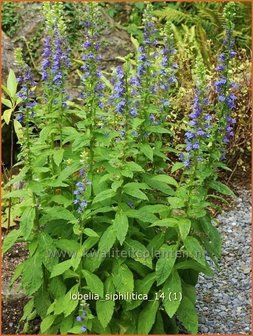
<point>74,330</point>
<point>15,194</point>
<point>121,226</point>
<point>221,188</point>
<point>196,212</point>
<point>62,200</point>
<point>138,252</point>
<point>116,184</point>
<point>68,171</point>
<point>166,222</point>
<point>123,279</point>
<point>6,102</point>
<point>184,226</point>
<point>172,285</point>
<point>147,317</point>
<point>18,129</point>
<point>176,202</point>
<point>161,186</point>
<point>156,242</point>
<point>7,116</point>
<point>67,245</point>
<point>158,129</point>
<point>94,284</point>
<point>142,214</point>
<point>68,304</point>
<point>107,240</point>
<point>12,83</point>
<point>57,212</point>
<point>57,287</point>
<point>28,308</point>
<point>46,323</point>
<point>142,286</point>
<point>134,167</point>
<point>58,156</point>
<point>42,302</point>
<point>90,233</point>
<point>165,263</point>
<point>132,190</point>
<point>105,309</point>
<point>187,315</point>
<point>10,240</point>
<point>166,179</point>
<point>147,151</point>
<point>192,264</point>
<point>4,88</point>
<point>103,195</point>
<point>158,328</point>
<point>66,324</point>
<point>46,247</point>
<point>135,42</point>
<point>32,275</point>
<point>212,233</point>
<point>61,268</point>
<point>195,250</point>
<point>137,185</point>
<point>27,222</point>
<point>177,166</point>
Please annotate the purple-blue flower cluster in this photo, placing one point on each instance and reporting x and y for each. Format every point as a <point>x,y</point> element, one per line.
<point>55,58</point>
<point>118,96</point>
<point>199,130</point>
<point>166,76</point>
<point>150,30</point>
<point>26,92</point>
<point>91,76</point>
<point>142,83</point>
<point>82,317</point>
<point>223,87</point>
<point>79,191</point>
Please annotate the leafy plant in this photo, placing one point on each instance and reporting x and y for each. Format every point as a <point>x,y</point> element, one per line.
<point>10,18</point>
<point>116,225</point>
<point>203,23</point>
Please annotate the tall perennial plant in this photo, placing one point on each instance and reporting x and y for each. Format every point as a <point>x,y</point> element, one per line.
<point>117,228</point>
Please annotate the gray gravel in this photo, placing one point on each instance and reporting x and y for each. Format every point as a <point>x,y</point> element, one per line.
<point>224,301</point>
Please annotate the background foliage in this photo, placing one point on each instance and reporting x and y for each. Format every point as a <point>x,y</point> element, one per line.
<point>199,25</point>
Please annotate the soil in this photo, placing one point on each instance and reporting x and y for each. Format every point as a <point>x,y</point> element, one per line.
<point>12,307</point>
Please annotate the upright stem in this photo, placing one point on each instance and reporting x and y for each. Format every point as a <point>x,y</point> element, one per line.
<point>10,177</point>
<point>61,116</point>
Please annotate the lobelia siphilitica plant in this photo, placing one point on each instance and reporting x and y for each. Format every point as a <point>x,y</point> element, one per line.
<point>115,242</point>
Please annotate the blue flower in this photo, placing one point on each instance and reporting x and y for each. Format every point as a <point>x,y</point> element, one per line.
<point>189,135</point>
<point>221,98</point>
<point>83,204</point>
<point>83,329</point>
<point>130,204</point>
<point>196,145</point>
<point>20,117</point>
<point>133,112</point>
<point>223,86</point>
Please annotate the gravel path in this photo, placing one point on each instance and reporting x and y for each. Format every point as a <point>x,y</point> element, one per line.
<point>224,304</point>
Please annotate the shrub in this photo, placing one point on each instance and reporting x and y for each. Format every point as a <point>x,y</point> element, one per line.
<point>115,217</point>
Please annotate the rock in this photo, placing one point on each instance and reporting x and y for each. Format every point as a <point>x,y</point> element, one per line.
<point>11,294</point>
<point>30,20</point>
<point>230,286</point>
<point>7,56</point>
